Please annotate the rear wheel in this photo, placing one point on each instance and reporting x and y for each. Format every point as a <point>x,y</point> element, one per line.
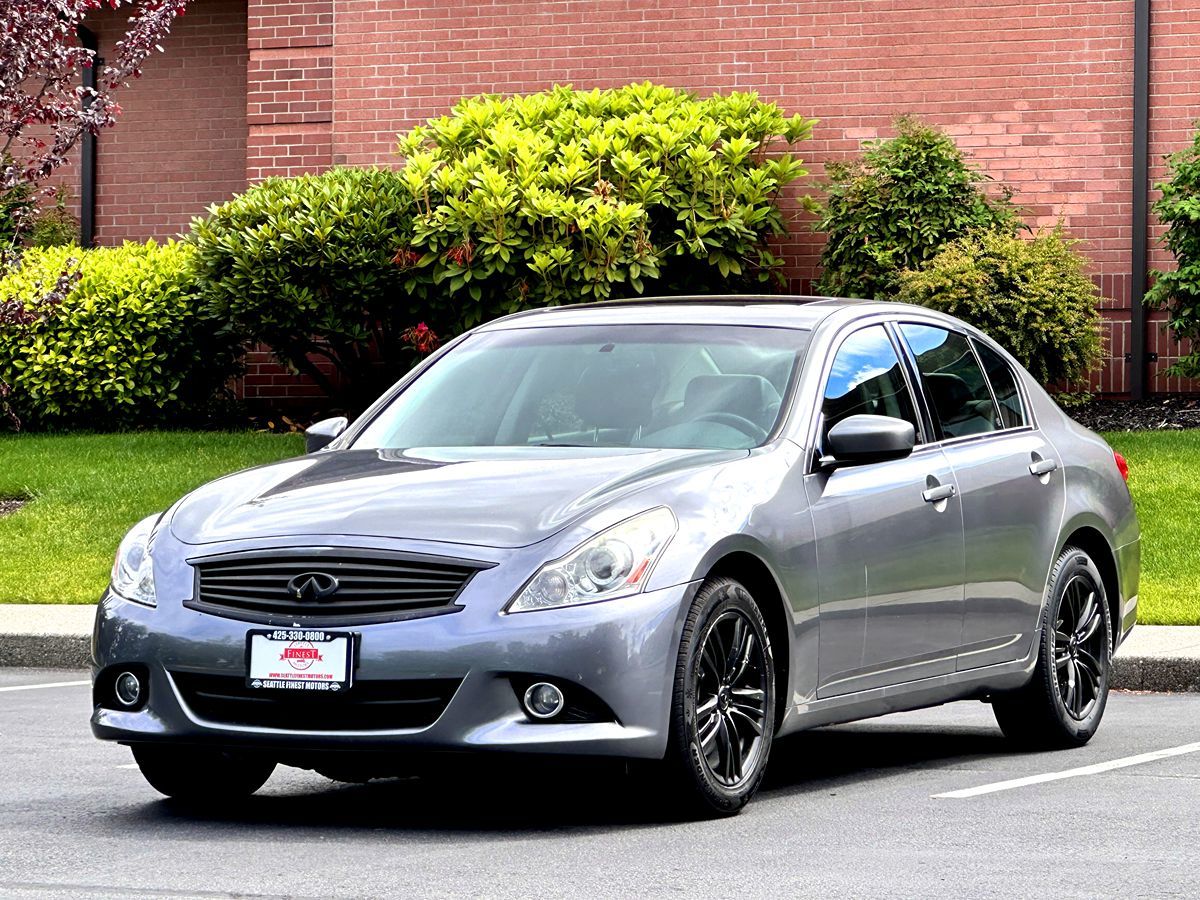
<point>1064,701</point>
<point>722,711</point>
<point>201,775</point>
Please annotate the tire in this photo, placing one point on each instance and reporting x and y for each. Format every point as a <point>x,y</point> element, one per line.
<point>722,711</point>
<point>202,776</point>
<point>1064,701</point>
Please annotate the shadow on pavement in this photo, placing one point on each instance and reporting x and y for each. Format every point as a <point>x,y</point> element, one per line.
<point>524,794</point>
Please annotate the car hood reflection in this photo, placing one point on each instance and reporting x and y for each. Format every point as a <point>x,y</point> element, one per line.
<point>488,497</point>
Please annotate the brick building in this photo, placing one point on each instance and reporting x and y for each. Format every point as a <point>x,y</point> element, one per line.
<point>1041,93</point>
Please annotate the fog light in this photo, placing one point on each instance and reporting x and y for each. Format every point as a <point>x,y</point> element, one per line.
<point>543,700</point>
<point>128,688</point>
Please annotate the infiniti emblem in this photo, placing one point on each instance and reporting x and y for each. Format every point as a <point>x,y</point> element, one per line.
<point>310,587</point>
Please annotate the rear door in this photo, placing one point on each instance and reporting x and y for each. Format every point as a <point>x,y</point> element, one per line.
<point>1011,488</point>
<point>889,560</point>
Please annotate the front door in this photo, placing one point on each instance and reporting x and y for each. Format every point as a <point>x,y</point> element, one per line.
<point>889,538</point>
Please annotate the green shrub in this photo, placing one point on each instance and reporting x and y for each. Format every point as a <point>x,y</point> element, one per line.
<point>894,207</point>
<point>305,265</point>
<point>1030,295</point>
<point>54,226</point>
<point>565,196</point>
<point>120,341</point>
<point>1179,290</point>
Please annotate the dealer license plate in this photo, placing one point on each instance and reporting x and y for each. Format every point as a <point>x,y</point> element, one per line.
<point>300,660</point>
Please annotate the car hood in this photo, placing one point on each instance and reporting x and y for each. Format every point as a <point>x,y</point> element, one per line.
<point>501,497</point>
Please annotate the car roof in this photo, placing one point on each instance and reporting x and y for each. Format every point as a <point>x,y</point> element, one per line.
<point>764,310</point>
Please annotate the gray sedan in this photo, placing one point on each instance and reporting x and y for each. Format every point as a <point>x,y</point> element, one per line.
<point>666,531</point>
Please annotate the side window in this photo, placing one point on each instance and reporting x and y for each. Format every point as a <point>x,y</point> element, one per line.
<point>1004,386</point>
<point>866,378</point>
<point>954,384</point>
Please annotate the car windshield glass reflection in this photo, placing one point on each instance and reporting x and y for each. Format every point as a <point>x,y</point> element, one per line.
<point>657,386</point>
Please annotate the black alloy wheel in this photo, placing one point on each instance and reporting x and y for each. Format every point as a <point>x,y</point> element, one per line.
<point>723,706</point>
<point>1079,639</point>
<point>730,698</point>
<point>1064,700</point>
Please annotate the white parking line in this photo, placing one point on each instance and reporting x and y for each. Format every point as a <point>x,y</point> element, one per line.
<point>1070,773</point>
<point>49,684</point>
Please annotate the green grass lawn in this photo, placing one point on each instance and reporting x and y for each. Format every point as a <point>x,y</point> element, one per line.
<point>87,490</point>
<point>1164,475</point>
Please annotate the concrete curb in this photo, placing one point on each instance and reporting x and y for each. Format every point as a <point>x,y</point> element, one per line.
<point>45,651</point>
<point>1130,673</point>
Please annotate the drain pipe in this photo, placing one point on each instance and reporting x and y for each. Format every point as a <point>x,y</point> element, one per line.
<point>1141,190</point>
<point>87,149</point>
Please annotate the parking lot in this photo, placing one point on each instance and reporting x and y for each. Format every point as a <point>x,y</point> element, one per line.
<point>849,811</point>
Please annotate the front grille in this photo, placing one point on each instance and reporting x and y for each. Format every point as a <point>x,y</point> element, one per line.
<point>366,706</point>
<point>372,586</point>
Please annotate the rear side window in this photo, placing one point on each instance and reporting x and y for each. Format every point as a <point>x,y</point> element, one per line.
<point>866,378</point>
<point>1004,386</point>
<point>954,384</point>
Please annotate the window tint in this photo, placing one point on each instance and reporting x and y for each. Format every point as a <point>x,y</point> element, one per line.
<point>1004,386</point>
<point>866,378</point>
<point>954,384</point>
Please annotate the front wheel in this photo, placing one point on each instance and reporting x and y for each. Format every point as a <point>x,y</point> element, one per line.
<point>200,775</point>
<point>722,709</point>
<point>1064,701</point>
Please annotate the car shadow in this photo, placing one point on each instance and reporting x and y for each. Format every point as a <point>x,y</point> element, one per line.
<point>531,795</point>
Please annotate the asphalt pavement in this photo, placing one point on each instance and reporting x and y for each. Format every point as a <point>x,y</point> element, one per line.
<point>849,811</point>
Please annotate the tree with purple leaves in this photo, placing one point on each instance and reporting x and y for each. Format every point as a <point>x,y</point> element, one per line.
<point>44,107</point>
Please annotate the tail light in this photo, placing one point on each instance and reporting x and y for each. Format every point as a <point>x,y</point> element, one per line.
<point>1122,466</point>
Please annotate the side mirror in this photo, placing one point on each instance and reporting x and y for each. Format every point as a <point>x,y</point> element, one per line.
<point>868,439</point>
<point>323,433</point>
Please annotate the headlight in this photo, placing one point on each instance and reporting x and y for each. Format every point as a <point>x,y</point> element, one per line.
<point>615,563</point>
<point>132,572</point>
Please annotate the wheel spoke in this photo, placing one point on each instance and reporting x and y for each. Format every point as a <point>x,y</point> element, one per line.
<point>1088,626</point>
<point>742,658</point>
<point>705,709</point>
<point>735,646</point>
<point>1091,667</point>
<point>709,737</point>
<point>752,721</point>
<point>1069,696</point>
<point>1061,658</point>
<point>1079,682</point>
<point>716,647</point>
<point>708,659</point>
<point>735,748</point>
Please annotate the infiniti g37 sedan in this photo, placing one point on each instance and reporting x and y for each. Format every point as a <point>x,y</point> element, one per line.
<point>667,531</point>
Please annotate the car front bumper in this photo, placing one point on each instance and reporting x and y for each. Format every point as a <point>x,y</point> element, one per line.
<point>623,651</point>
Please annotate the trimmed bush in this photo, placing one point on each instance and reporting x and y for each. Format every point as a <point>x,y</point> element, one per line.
<point>1030,295</point>
<point>108,338</point>
<point>895,206</point>
<point>1179,291</point>
<point>566,196</point>
<point>306,265</point>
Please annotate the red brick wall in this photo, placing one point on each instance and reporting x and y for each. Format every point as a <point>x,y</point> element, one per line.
<point>180,142</point>
<point>289,104</point>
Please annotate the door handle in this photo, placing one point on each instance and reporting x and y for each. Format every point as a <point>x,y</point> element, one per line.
<point>1042,467</point>
<point>938,494</point>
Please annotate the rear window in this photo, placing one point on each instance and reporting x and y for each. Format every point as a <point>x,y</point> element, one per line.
<point>1004,386</point>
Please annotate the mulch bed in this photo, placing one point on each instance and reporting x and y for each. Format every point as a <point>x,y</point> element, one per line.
<point>1161,413</point>
<point>10,505</point>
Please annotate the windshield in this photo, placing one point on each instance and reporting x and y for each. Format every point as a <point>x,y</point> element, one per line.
<point>660,386</point>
